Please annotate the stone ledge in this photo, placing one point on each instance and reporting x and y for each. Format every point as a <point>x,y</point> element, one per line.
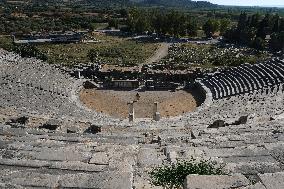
<point>272,180</point>
<point>62,165</point>
<point>215,181</point>
<point>35,179</point>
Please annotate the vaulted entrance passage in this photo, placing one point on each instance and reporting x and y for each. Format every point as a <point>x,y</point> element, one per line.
<point>114,102</point>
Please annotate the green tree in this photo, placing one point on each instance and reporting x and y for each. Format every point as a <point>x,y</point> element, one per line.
<point>254,20</point>
<point>192,27</point>
<point>247,35</point>
<point>27,50</point>
<point>224,25</point>
<point>258,43</point>
<point>210,27</point>
<point>141,25</point>
<point>265,26</point>
<point>276,23</point>
<point>113,23</point>
<point>232,35</point>
<point>277,41</point>
<point>281,25</point>
<point>242,23</point>
<point>92,55</point>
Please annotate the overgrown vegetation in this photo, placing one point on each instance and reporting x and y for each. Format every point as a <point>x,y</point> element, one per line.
<point>54,15</point>
<point>172,23</point>
<point>179,18</point>
<point>173,176</point>
<point>6,42</point>
<point>126,52</point>
<point>253,30</point>
<point>110,49</point>
<point>206,55</point>
<point>29,51</point>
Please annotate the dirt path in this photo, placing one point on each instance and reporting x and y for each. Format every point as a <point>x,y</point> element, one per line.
<point>114,103</point>
<point>160,53</point>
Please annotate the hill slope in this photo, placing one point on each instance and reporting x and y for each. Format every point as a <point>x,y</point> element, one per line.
<point>175,3</point>
<point>117,3</point>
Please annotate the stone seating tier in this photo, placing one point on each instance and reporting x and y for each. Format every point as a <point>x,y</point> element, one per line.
<point>245,78</point>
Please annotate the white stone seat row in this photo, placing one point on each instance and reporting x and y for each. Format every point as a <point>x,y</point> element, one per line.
<point>245,78</point>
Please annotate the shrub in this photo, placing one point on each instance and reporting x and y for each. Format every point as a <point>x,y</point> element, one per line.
<point>173,176</point>
<point>27,50</point>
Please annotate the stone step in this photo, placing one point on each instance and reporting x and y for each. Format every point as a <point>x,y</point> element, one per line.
<point>216,181</point>
<point>258,185</point>
<point>11,186</point>
<point>29,135</point>
<point>227,131</point>
<point>249,159</point>
<point>253,167</point>
<point>61,165</point>
<point>248,151</point>
<point>56,154</point>
<point>34,178</point>
<point>232,141</point>
<point>272,180</point>
<point>252,159</point>
<point>276,150</point>
<point>148,157</point>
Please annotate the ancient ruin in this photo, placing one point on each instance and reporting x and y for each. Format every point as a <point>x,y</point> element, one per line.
<point>49,139</point>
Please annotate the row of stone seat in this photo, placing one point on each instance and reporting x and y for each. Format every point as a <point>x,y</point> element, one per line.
<point>36,73</point>
<point>245,78</point>
<point>40,101</point>
<point>264,103</point>
<point>33,86</point>
<point>35,158</point>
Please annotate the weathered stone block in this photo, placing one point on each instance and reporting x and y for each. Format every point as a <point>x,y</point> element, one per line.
<point>106,180</point>
<point>77,166</point>
<point>148,157</point>
<point>255,186</point>
<point>215,181</point>
<point>100,158</point>
<point>272,180</point>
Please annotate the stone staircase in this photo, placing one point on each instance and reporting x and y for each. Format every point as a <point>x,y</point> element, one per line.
<point>120,157</point>
<point>36,159</point>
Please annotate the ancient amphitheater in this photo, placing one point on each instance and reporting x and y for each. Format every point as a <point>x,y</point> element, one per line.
<point>48,139</point>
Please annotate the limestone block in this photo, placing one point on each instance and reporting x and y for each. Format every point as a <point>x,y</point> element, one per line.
<point>77,166</point>
<point>240,159</point>
<point>144,183</point>
<point>13,132</point>
<point>238,151</point>
<point>148,157</point>
<point>255,186</point>
<point>24,163</point>
<point>172,157</point>
<point>131,117</point>
<point>277,151</point>
<point>272,180</point>
<point>252,167</point>
<point>157,116</point>
<point>59,154</point>
<point>106,180</point>
<point>10,186</point>
<point>215,181</point>
<point>122,158</point>
<point>100,158</point>
<point>28,178</point>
